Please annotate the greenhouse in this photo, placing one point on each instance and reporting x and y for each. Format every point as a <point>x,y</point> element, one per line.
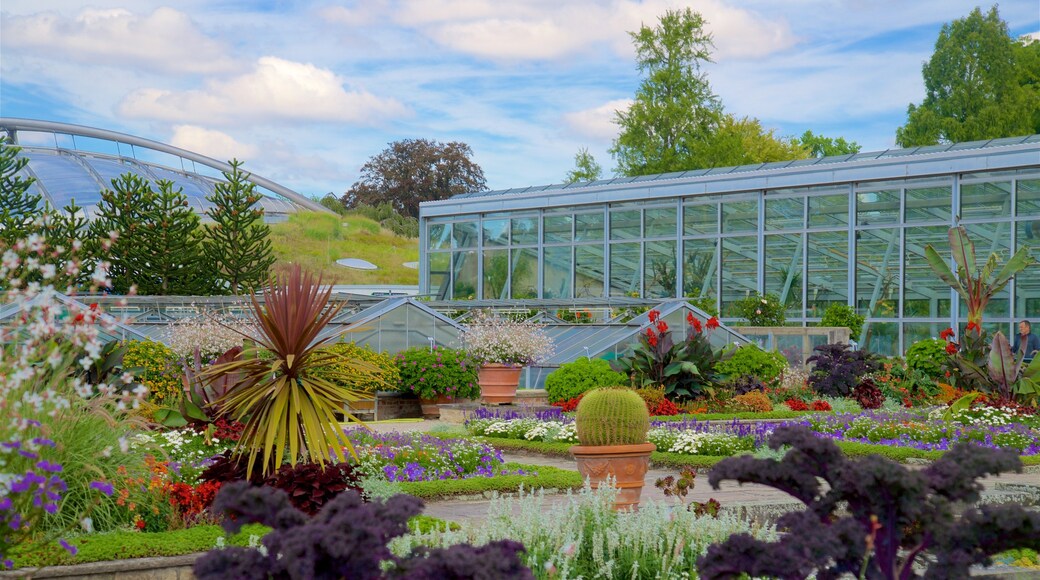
<point>848,229</point>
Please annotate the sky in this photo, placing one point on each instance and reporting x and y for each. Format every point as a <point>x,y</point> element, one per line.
<point>305,92</point>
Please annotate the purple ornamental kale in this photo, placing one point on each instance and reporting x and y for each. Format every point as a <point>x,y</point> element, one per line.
<point>895,514</point>
<point>346,539</point>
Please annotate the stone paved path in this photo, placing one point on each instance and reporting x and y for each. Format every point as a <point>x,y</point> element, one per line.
<point>730,494</point>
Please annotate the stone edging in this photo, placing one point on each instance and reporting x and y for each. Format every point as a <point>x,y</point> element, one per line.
<point>160,568</point>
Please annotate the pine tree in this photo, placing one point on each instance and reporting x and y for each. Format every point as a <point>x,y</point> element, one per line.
<point>237,247</point>
<point>158,243</point>
<point>18,206</point>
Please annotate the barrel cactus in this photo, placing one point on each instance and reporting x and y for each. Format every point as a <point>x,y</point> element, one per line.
<point>612,416</point>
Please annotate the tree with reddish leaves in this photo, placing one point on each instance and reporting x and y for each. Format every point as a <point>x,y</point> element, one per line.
<point>411,171</point>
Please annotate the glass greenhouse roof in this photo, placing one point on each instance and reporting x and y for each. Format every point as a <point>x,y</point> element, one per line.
<point>817,161</point>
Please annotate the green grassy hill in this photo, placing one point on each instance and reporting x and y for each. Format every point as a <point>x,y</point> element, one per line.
<point>317,240</point>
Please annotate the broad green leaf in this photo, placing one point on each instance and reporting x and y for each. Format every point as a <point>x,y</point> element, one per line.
<point>1002,367</point>
<point>959,405</point>
<point>942,269</point>
<point>1019,262</point>
<point>169,418</point>
<point>963,249</point>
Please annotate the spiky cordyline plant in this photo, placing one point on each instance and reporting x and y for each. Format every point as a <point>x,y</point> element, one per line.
<point>281,404</point>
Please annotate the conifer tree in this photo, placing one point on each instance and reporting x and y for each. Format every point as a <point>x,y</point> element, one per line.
<point>237,247</point>
<point>18,206</point>
<point>121,212</point>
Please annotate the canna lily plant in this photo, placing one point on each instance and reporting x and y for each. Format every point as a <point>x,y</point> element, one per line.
<point>976,286</point>
<point>289,412</point>
<point>1006,374</point>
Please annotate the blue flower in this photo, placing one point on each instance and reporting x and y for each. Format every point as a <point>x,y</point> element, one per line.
<point>69,547</point>
<point>102,486</point>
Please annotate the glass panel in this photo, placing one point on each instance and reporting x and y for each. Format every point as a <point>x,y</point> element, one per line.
<point>829,211</point>
<point>700,219</point>
<point>464,235</point>
<point>496,232</point>
<point>700,262</point>
<point>659,222</point>
<point>557,228</point>
<point>914,332</point>
<point>924,294</point>
<point>624,225</point>
<point>464,267</point>
<point>877,207</point>
<point>588,271</point>
<point>588,227</point>
<point>525,231</point>
<point>929,204</point>
<point>785,214</point>
<point>659,269</point>
<point>739,269</point>
<point>827,263</point>
<point>986,200</point>
<point>784,271</point>
<point>877,273</point>
<point>524,283</point>
<point>625,269</point>
<point>990,238</point>
<point>439,236</point>
<point>496,275</point>
<point>439,275</point>
<point>556,273</point>
<point>740,216</point>
<point>881,338</point>
<point>1028,197</point>
<point>1027,283</point>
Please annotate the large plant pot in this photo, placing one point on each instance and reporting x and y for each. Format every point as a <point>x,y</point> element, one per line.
<point>498,383</point>
<point>431,408</point>
<point>625,463</point>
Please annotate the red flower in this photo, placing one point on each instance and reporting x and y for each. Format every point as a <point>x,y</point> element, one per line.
<point>140,524</point>
<point>696,324</point>
<point>712,323</point>
<point>946,334</point>
<point>951,348</point>
<point>662,326</point>
<point>820,405</point>
<point>796,405</point>
<point>973,326</point>
<point>654,315</point>
<point>651,337</point>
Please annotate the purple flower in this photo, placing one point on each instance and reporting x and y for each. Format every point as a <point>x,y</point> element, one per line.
<point>69,547</point>
<point>48,466</point>
<point>102,486</point>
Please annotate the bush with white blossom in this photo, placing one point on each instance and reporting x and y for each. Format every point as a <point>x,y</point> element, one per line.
<point>494,339</point>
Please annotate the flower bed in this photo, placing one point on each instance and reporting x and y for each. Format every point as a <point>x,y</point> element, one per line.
<point>409,457</point>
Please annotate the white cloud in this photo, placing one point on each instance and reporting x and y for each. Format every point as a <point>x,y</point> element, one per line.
<point>166,39</point>
<point>210,142</point>
<point>276,89</point>
<point>552,30</point>
<point>597,123</point>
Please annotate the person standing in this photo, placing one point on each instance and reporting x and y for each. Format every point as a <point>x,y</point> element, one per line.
<point>1026,341</point>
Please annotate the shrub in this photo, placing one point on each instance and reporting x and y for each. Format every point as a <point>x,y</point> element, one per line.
<point>760,310</point>
<point>431,373</point>
<point>575,378</point>
<point>797,405</point>
<point>863,540</point>
<point>656,403</point>
<point>820,405</point>
<point>752,360</point>
<point>347,539</point>
<point>495,339</point>
<point>755,402</point>
<point>844,315</point>
<point>382,374</point>
<point>612,416</point>
<point>157,368</point>
<point>928,356</point>
<point>868,395</point>
<point>310,486</point>
<point>746,384</point>
<point>838,370</point>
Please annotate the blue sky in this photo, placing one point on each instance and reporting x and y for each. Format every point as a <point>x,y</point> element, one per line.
<point>305,92</point>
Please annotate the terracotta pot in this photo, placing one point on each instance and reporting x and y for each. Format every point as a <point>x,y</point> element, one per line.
<point>498,383</point>
<point>625,463</point>
<point>430,409</point>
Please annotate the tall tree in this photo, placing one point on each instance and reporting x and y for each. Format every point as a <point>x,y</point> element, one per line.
<point>158,241</point>
<point>237,245</point>
<point>585,167</point>
<point>972,88</point>
<point>19,207</point>
<point>674,109</point>
<point>820,146</point>
<point>415,170</point>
